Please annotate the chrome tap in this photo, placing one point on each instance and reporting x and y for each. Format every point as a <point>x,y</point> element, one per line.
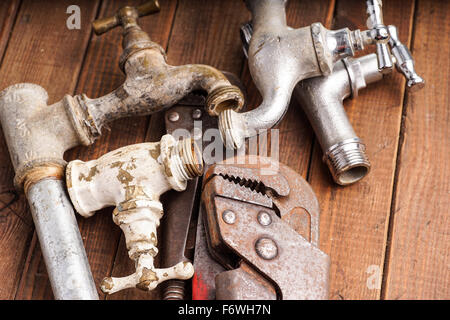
<point>322,97</point>
<point>279,57</point>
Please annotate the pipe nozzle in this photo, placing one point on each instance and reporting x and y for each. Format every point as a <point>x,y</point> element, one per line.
<point>232,129</point>
<point>347,161</point>
<point>187,159</point>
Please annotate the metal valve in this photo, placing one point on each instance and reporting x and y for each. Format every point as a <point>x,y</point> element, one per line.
<point>404,61</point>
<point>379,34</point>
<point>125,16</point>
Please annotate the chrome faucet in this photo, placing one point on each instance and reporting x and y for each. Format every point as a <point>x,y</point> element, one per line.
<point>277,70</point>
<point>279,57</point>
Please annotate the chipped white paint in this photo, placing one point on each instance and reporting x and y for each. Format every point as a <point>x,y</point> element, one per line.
<point>132,178</point>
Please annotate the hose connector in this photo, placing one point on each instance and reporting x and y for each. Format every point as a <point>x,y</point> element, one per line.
<point>232,129</point>
<point>347,161</point>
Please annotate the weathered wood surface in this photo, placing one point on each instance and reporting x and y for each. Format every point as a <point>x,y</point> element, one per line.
<point>391,228</point>
<point>417,263</point>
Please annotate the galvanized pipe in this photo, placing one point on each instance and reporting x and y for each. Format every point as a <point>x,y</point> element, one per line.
<point>61,244</point>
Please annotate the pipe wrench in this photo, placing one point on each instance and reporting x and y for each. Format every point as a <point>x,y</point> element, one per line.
<point>179,224</point>
<point>260,236</point>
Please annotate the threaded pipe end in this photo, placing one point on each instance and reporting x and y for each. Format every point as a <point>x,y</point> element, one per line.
<point>174,290</point>
<point>223,98</point>
<point>347,161</point>
<point>188,159</point>
<point>232,129</point>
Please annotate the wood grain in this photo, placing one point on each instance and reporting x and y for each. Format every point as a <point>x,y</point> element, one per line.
<point>100,75</point>
<point>355,218</point>
<point>418,261</point>
<point>8,13</point>
<point>39,52</point>
<point>392,225</point>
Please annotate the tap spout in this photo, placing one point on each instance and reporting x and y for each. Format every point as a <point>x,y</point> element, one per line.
<point>322,100</point>
<point>152,86</point>
<point>278,58</point>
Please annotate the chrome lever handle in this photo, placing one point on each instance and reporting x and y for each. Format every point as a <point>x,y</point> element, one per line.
<point>404,61</point>
<point>379,34</point>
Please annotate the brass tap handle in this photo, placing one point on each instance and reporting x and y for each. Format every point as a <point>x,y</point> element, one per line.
<point>125,16</point>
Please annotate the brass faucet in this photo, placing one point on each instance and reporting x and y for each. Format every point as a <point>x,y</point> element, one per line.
<point>153,85</point>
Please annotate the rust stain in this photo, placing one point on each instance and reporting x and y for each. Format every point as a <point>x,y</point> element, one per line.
<point>130,166</point>
<point>92,172</point>
<point>155,151</point>
<point>117,164</point>
<point>124,177</point>
<point>152,252</point>
<point>148,276</point>
<point>134,192</point>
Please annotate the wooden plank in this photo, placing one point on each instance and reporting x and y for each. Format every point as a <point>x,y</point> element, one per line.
<point>37,53</point>
<point>8,195</point>
<point>100,75</point>
<point>8,13</point>
<point>355,218</point>
<point>418,261</point>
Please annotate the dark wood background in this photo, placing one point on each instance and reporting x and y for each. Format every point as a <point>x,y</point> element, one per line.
<point>395,220</point>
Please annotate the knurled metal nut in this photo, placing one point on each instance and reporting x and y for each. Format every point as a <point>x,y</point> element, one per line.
<point>266,248</point>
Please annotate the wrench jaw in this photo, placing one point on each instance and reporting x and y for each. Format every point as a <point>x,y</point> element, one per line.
<point>257,230</point>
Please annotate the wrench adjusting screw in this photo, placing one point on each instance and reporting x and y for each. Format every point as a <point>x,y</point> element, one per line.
<point>266,248</point>
<point>229,216</point>
<point>264,218</point>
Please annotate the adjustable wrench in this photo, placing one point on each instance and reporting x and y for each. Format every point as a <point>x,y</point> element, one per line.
<point>262,224</point>
<point>178,227</point>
